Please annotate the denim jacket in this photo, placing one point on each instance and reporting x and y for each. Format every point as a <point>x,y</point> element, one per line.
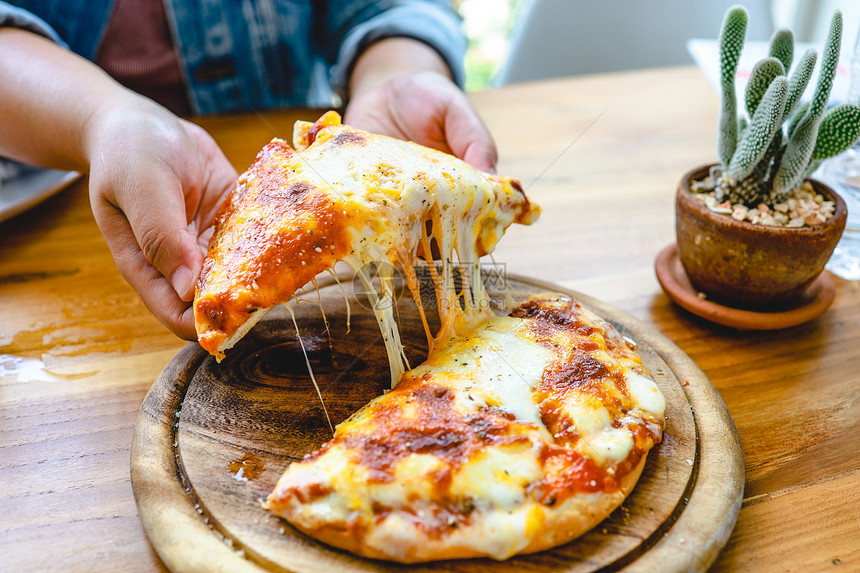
<point>258,54</point>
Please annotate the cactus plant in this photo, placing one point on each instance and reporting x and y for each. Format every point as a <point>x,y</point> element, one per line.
<point>767,154</point>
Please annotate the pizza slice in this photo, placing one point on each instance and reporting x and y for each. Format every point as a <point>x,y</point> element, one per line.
<point>517,436</point>
<point>347,195</point>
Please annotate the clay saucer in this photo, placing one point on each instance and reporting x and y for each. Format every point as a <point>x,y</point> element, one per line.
<point>674,281</point>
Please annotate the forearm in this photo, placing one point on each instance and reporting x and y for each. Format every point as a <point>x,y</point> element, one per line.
<point>392,57</point>
<point>48,97</point>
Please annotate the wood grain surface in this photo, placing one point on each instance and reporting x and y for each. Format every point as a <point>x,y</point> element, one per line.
<point>213,439</point>
<point>603,155</point>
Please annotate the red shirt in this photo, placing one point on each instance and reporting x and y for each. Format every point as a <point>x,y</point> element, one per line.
<point>138,51</point>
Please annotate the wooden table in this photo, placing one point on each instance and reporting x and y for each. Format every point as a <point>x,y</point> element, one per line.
<point>603,155</point>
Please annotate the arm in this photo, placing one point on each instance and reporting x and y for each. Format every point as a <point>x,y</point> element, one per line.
<point>155,183</point>
<point>47,96</point>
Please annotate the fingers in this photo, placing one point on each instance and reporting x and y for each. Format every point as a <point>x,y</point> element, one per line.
<point>218,177</point>
<point>429,109</point>
<point>155,210</point>
<point>368,112</point>
<point>462,130</point>
<point>145,166</point>
<point>154,289</point>
<point>480,153</point>
<point>467,136</point>
<point>155,184</point>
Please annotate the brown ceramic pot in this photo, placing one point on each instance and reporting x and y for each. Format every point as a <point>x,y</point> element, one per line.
<point>747,265</point>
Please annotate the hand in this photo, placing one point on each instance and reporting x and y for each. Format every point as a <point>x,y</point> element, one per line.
<point>156,181</point>
<point>156,184</point>
<point>402,88</point>
<point>429,109</point>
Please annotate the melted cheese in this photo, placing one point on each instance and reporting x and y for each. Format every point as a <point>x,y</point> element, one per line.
<point>608,444</point>
<point>464,215</point>
<point>511,368</point>
<point>382,305</point>
<point>503,365</point>
<point>646,393</point>
<point>497,477</point>
<point>310,370</point>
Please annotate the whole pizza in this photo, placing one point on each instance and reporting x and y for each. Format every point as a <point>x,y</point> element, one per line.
<point>521,430</point>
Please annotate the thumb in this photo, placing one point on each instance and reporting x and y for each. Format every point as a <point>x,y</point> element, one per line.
<point>157,217</point>
<point>468,137</point>
<point>480,156</point>
<point>151,284</point>
<point>152,208</point>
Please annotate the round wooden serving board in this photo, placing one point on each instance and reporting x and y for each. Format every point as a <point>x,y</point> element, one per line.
<point>212,439</point>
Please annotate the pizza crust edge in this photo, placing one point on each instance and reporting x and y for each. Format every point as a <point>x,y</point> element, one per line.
<point>574,517</point>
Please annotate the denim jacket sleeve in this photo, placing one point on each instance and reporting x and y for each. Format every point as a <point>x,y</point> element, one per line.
<point>276,53</point>
<point>348,27</point>
<point>14,17</point>
<point>259,54</point>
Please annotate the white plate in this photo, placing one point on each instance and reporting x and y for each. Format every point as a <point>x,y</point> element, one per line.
<point>30,187</point>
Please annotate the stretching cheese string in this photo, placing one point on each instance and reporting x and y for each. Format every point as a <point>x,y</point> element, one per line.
<point>310,370</point>
<point>382,307</point>
<point>345,298</point>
